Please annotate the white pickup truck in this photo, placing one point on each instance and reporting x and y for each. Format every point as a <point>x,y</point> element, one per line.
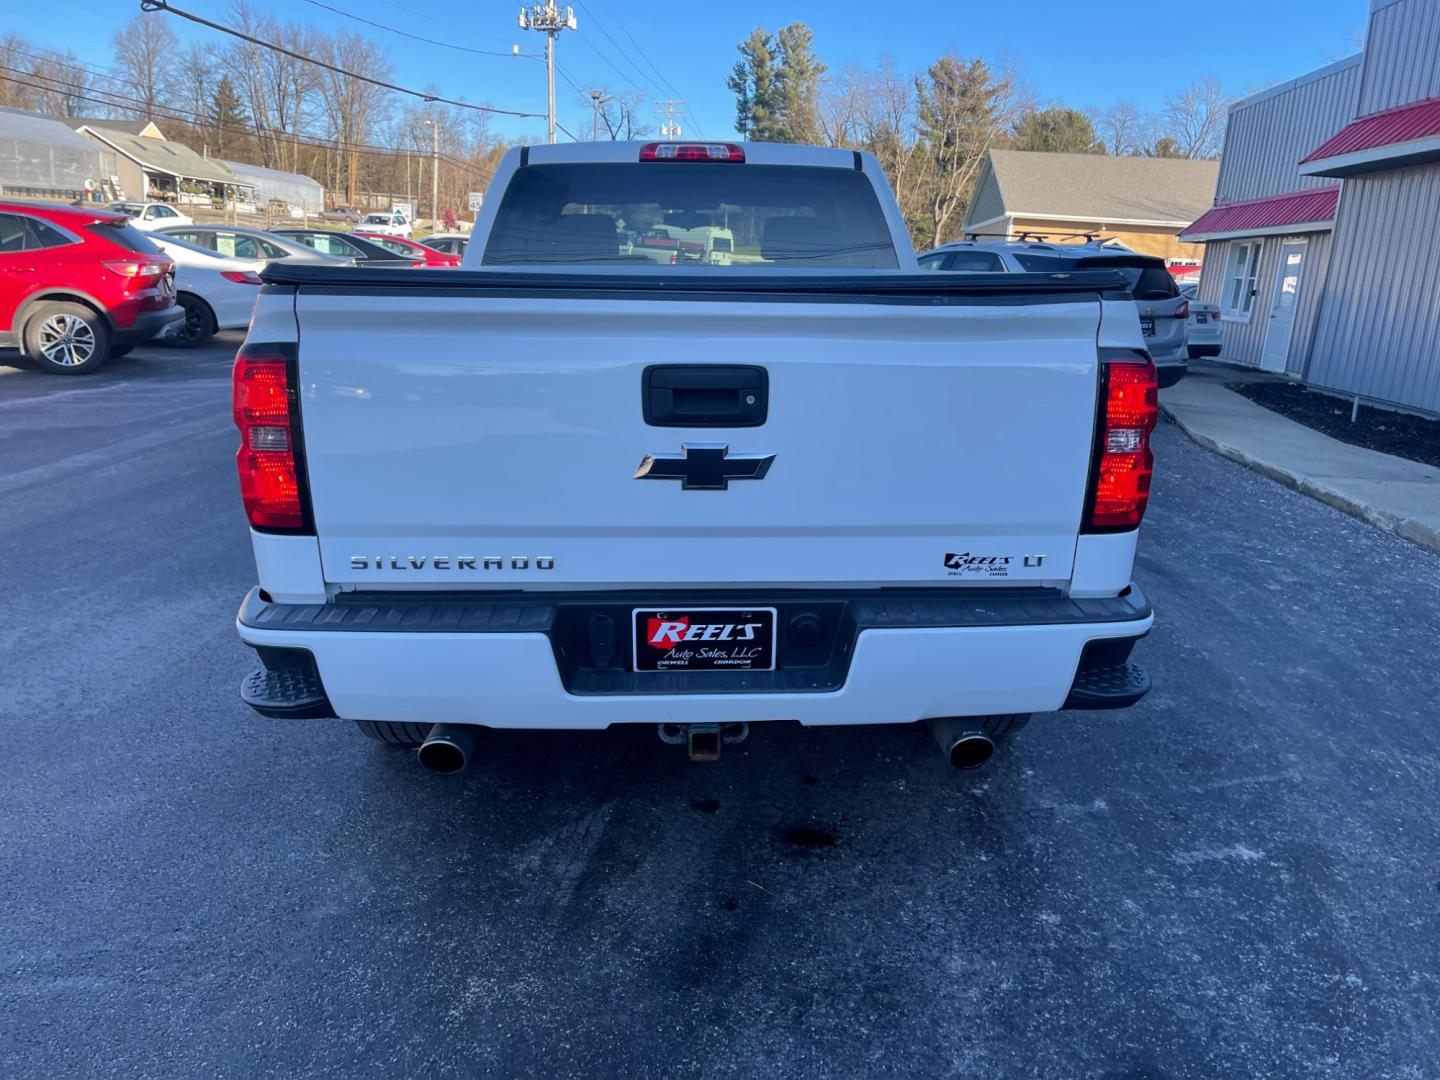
<point>567,487</point>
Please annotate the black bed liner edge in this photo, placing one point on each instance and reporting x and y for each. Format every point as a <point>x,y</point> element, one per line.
<point>928,287</point>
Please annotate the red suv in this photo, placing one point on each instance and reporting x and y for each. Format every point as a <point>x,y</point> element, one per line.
<point>78,286</point>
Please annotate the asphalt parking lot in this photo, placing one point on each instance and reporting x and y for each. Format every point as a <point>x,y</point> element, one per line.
<point>1239,877</point>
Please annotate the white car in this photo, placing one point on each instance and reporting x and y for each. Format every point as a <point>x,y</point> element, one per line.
<point>1202,329</point>
<point>1159,304</point>
<point>217,291</point>
<point>386,223</point>
<point>151,215</point>
<point>449,243</point>
<point>856,494</point>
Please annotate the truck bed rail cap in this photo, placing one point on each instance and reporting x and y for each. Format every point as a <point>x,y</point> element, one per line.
<point>722,283</point>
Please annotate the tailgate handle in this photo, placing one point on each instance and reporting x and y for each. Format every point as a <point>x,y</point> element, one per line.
<point>705,395</point>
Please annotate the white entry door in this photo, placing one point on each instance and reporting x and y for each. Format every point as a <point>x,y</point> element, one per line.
<point>1283,301</point>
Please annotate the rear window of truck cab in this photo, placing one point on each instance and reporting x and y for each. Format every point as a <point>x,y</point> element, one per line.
<point>649,214</point>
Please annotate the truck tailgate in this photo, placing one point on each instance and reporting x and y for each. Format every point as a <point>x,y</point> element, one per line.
<point>494,440</point>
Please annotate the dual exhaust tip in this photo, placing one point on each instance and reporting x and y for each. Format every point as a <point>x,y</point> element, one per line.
<point>448,748</point>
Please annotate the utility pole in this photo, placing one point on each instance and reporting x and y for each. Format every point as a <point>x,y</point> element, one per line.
<point>598,102</point>
<point>434,174</point>
<point>549,20</point>
<point>670,129</point>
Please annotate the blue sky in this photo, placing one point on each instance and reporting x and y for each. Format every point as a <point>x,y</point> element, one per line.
<point>1079,54</point>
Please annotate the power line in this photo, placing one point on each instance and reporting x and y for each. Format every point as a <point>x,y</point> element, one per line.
<point>185,116</point>
<point>623,74</point>
<point>91,69</point>
<point>445,44</point>
<point>418,37</point>
<point>190,116</point>
<point>442,22</point>
<point>643,77</point>
<point>650,63</point>
<point>149,6</point>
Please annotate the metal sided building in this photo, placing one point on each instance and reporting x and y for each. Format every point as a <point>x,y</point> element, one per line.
<point>1320,249</point>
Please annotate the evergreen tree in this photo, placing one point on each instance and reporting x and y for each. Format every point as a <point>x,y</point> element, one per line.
<point>227,114</point>
<point>797,82</point>
<point>754,84</point>
<point>1061,131</point>
<point>958,119</point>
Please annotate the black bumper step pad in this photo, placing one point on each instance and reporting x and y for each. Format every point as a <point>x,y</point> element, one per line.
<point>286,694</point>
<point>1111,687</point>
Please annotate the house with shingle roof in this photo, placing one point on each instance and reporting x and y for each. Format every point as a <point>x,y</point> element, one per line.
<point>1142,202</point>
<point>131,127</point>
<point>152,167</point>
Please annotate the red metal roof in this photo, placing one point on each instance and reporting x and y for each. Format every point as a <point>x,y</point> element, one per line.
<point>1418,120</point>
<point>1274,212</point>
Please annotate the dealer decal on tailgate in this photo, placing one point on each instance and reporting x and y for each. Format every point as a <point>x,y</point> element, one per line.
<point>704,639</point>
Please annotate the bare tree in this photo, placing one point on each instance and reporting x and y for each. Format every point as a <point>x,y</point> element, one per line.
<point>352,106</point>
<point>144,52</point>
<point>59,85</point>
<point>293,84</point>
<point>194,80</point>
<point>13,62</point>
<point>615,114</point>
<point>842,103</point>
<point>887,130</point>
<point>467,159</point>
<point>1194,118</point>
<point>1124,129</point>
<point>275,89</point>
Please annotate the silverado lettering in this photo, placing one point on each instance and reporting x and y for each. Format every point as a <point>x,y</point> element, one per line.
<point>450,562</point>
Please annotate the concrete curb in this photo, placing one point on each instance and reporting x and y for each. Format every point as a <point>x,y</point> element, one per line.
<point>1411,529</point>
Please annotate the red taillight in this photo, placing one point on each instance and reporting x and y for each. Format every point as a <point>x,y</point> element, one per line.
<point>1123,461</point>
<point>265,413</point>
<point>665,151</point>
<point>136,268</point>
<point>241,277</point>
<point>1183,311</point>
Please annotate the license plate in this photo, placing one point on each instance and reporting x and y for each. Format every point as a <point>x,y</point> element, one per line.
<point>1200,317</point>
<point>1147,327</point>
<point>704,639</point>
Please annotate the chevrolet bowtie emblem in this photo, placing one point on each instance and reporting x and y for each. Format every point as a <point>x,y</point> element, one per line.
<point>704,466</point>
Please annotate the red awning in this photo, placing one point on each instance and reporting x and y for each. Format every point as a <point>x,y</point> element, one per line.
<point>1259,217</point>
<point>1418,120</point>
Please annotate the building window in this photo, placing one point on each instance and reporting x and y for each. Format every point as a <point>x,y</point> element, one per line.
<point>1241,269</point>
